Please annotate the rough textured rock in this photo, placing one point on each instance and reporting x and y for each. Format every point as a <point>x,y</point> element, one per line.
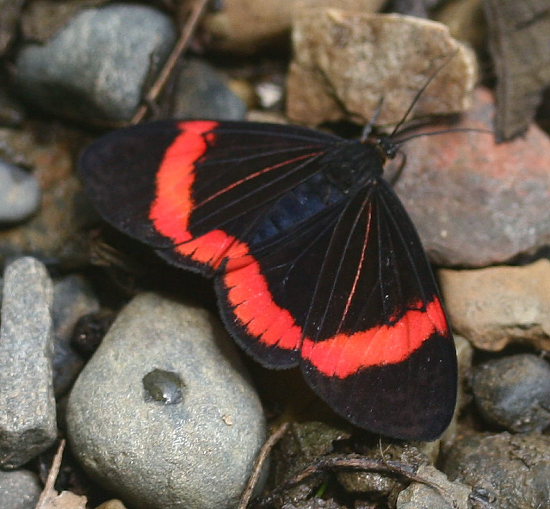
<point>449,495</point>
<point>496,306</point>
<point>474,202</point>
<point>152,449</point>
<point>512,472</point>
<point>19,193</point>
<point>514,392</point>
<point>346,62</point>
<point>248,26</point>
<point>19,489</point>
<point>27,424</point>
<point>96,67</point>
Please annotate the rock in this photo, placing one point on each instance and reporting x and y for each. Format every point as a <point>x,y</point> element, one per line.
<point>474,202</point>
<point>449,495</point>
<point>11,11</point>
<point>111,504</point>
<point>55,234</point>
<point>42,19</point>
<point>496,306</point>
<point>95,69</point>
<point>152,453</point>
<point>346,62</point>
<point>19,489</point>
<point>247,26</point>
<point>466,21</point>
<point>27,424</point>
<point>19,193</point>
<point>73,298</point>
<point>513,472</point>
<point>514,392</point>
<point>202,92</point>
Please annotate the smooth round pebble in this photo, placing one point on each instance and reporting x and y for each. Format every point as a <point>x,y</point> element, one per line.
<point>192,449</point>
<point>96,67</point>
<point>514,392</point>
<point>19,489</point>
<point>202,92</point>
<point>19,193</point>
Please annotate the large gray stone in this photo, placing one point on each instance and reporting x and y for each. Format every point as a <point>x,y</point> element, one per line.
<point>96,67</point>
<point>27,422</point>
<point>163,414</point>
<point>19,489</point>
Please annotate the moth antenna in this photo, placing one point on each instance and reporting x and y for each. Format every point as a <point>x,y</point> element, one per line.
<point>420,92</point>
<point>368,128</point>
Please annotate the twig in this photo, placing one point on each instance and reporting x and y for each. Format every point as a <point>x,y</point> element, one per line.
<point>181,45</point>
<point>353,462</point>
<point>260,460</point>
<point>48,490</point>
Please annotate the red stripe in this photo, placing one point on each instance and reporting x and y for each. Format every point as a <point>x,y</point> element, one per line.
<point>343,355</point>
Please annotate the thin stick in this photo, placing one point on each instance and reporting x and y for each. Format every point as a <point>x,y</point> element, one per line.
<point>181,45</point>
<point>48,490</point>
<point>260,460</point>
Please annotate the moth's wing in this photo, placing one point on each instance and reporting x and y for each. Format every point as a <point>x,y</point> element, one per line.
<point>350,296</point>
<point>191,189</point>
<point>378,347</point>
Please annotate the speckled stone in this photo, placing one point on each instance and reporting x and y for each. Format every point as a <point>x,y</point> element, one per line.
<point>193,451</point>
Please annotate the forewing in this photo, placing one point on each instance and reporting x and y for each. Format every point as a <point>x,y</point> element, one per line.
<point>193,189</point>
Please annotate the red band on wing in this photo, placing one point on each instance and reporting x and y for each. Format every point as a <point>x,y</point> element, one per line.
<point>253,304</point>
<point>171,211</point>
<point>343,355</point>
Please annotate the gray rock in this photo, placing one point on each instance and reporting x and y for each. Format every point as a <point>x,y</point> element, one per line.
<point>162,413</point>
<point>73,298</point>
<point>96,68</point>
<point>202,92</point>
<point>28,425</point>
<point>19,193</point>
<point>514,392</point>
<point>508,471</point>
<point>19,489</point>
<point>448,495</point>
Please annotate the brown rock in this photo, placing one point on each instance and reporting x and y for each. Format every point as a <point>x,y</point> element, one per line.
<point>248,26</point>
<point>499,305</point>
<point>345,62</point>
<point>476,203</point>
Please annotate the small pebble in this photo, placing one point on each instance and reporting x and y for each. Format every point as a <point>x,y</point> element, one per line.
<point>19,193</point>
<point>514,392</point>
<point>154,454</point>
<point>509,471</point>
<point>28,423</point>
<point>202,92</point>
<point>95,69</point>
<point>496,306</point>
<point>73,298</point>
<point>19,489</point>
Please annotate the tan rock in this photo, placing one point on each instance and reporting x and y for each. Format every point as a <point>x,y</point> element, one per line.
<point>248,26</point>
<point>496,306</point>
<point>345,62</point>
